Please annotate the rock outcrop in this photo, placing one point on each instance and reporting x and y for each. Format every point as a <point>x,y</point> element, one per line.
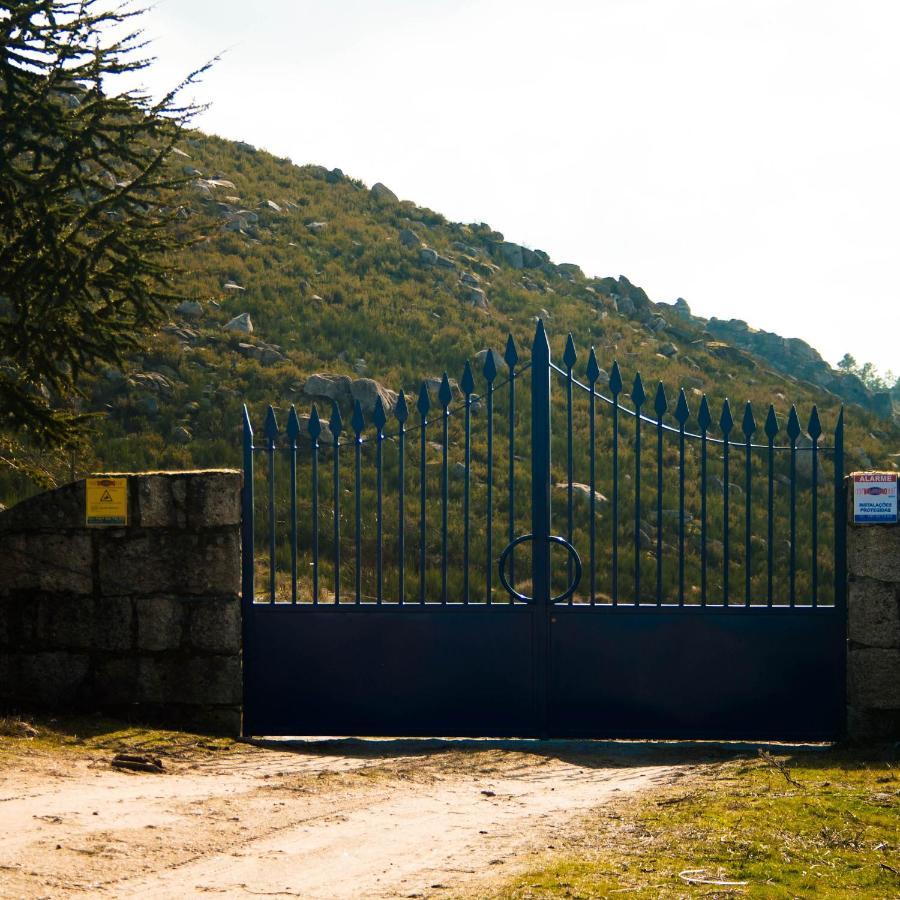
<point>344,390</point>
<point>241,323</point>
<point>381,193</point>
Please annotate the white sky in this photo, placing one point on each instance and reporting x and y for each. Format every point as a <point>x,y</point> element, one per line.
<point>744,156</point>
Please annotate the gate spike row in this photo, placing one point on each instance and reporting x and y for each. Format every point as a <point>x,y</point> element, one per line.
<point>815,426</point>
<point>379,418</point>
<point>445,395</point>
<point>637,391</point>
<point>510,355</point>
<point>660,404</point>
<point>615,379</point>
<point>569,354</point>
<point>682,411</point>
<point>726,420</point>
<point>593,370</point>
<point>336,423</point>
<point>401,410</point>
<point>771,427</point>
<point>748,426</point>
<point>793,426</point>
<point>424,402</point>
<point>468,382</point>
<point>356,420</point>
<point>248,428</point>
<point>315,426</point>
<point>293,426</point>
<point>271,427</point>
<point>490,367</point>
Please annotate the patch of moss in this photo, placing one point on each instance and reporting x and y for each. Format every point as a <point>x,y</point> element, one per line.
<point>823,825</point>
<point>90,734</point>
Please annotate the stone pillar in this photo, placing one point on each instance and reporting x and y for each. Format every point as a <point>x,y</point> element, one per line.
<point>140,621</point>
<point>873,628</point>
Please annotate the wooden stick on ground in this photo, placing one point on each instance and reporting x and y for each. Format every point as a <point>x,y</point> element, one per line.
<point>698,876</point>
<point>137,763</point>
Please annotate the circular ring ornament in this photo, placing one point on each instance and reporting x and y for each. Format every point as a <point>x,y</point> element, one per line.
<point>554,539</point>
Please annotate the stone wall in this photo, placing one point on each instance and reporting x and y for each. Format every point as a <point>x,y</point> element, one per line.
<point>140,621</point>
<point>873,629</point>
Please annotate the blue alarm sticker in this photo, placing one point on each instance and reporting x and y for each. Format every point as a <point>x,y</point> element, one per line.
<point>875,498</point>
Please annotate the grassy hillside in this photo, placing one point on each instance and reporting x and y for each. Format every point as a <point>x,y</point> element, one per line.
<point>340,279</point>
<point>351,290</point>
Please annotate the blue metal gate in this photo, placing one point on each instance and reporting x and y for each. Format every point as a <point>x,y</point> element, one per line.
<point>421,630</point>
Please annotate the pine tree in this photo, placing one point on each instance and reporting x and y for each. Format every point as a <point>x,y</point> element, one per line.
<point>847,363</point>
<point>89,220</point>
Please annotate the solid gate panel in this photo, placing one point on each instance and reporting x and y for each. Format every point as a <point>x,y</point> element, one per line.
<point>449,671</point>
<point>710,673</point>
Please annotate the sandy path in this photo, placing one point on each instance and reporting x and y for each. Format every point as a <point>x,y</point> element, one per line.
<point>323,820</point>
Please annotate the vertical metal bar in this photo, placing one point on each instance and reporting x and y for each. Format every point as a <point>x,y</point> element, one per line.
<point>815,522</point>
<point>770,534</point>
<point>336,426</point>
<point>725,424</point>
<point>637,509</point>
<point>615,500</point>
<point>422,406</point>
<point>661,406</point>
<point>569,358</point>
<point>593,504</point>
<point>771,429</point>
<point>293,431</point>
<point>637,397</point>
<point>444,396</point>
<point>357,423</point>
<point>840,518</point>
<point>422,512</point>
<point>540,517</point>
<point>682,414</point>
<point>840,557</point>
<point>466,491</point>
<point>314,432</point>
<point>247,550</point>
<point>703,518</point>
<point>570,498</point>
<point>379,419</point>
<point>401,413</point>
<point>748,548</point>
<point>468,385</point>
<point>681,514</point>
<point>793,434</point>
<point>444,500</point>
<point>490,373</point>
<point>749,428</point>
<point>793,524</point>
<point>703,419</point>
<point>271,430</point>
<point>726,512</point>
<point>247,553</point>
<point>336,501</point>
<point>615,387</point>
<point>815,432</point>
<point>593,373</point>
<point>511,531</point>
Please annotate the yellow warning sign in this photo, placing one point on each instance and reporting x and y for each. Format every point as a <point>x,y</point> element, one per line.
<point>106,501</point>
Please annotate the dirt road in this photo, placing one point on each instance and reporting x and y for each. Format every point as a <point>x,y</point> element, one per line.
<point>323,819</point>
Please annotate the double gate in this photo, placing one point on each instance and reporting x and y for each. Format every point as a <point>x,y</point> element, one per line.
<point>702,596</point>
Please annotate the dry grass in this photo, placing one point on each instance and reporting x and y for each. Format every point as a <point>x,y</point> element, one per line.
<point>91,734</point>
<point>814,824</point>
